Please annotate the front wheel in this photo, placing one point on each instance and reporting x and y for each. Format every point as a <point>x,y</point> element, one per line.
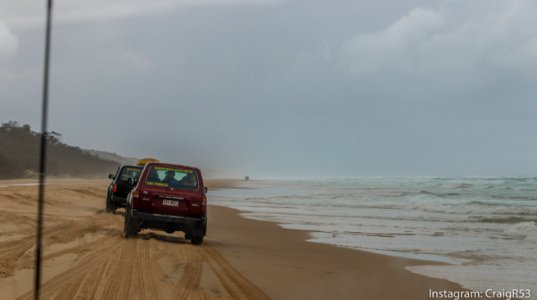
<point>130,228</point>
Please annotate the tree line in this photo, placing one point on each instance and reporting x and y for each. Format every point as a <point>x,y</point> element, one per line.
<point>19,155</point>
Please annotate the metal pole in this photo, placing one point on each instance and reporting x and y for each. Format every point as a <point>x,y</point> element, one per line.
<point>42,156</point>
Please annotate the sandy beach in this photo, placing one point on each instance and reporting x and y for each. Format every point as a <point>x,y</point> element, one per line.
<point>86,256</point>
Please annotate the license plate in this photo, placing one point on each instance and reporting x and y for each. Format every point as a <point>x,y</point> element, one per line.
<point>170,202</point>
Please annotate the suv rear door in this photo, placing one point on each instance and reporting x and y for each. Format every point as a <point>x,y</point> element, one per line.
<point>161,197</point>
<point>123,187</point>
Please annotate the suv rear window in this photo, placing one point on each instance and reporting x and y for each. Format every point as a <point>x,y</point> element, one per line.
<point>172,177</point>
<point>129,172</point>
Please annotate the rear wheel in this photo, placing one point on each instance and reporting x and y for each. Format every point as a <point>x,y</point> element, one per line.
<point>196,236</point>
<point>110,205</point>
<point>130,228</point>
<point>197,240</point>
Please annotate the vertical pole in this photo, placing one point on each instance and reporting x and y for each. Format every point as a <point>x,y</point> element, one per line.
<point>42,156</point>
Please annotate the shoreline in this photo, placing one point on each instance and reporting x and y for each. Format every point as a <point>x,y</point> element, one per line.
<point>285,265</point>
<point>241,256</point>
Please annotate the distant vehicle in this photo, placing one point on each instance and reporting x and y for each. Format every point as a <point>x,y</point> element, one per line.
<point>120,186</point>
<point>168,197</point>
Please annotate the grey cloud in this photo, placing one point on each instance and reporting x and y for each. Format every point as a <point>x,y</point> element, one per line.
<point>451,36</point>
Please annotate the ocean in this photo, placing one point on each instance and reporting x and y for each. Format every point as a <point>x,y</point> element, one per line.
<point>485,229</point>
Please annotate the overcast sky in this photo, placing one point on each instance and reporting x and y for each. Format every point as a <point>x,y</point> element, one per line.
<point>292,88</point>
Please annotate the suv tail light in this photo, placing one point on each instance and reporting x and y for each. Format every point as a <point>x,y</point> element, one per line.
<point>204,204</point>
<point>135,194</point>
<point>114,189</point>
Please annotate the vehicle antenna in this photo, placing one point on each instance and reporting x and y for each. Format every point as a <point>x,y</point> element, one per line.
<point>42,155</point>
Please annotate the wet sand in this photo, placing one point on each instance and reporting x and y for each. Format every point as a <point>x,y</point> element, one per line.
<point>284,265</point>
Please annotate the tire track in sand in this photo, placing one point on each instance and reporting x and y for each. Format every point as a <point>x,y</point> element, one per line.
<point>14,254</point>
<point>119,281</point>
<point>88,264</point>
<point>234,282</point>
<point>146,280</point>
<point>71,291</point>
<point>11,252</point>
<point>189,283</point>
<point>119,269</point>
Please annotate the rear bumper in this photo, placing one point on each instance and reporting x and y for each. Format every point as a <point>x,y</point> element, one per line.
<point>167,219</point>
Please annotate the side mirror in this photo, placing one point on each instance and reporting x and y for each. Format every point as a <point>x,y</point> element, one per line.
<point>206,190</point>
<point>131,181</point>
<point>110,176</point>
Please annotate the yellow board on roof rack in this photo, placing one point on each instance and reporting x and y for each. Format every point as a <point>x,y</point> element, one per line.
<point>145,161</point>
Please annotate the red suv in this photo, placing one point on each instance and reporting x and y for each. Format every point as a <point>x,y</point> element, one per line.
<point>168,197</point>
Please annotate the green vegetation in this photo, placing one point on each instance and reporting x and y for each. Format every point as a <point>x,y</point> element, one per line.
<point>19,155</point>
